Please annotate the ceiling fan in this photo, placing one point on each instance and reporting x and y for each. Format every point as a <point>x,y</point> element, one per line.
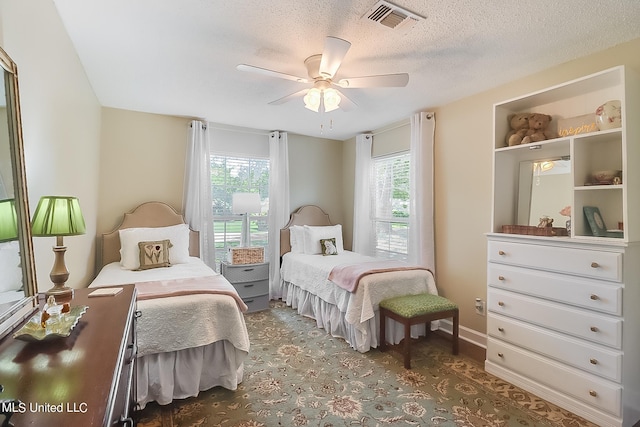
<point>322,69</point>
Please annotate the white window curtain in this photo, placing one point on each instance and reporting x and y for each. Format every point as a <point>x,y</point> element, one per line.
<point>278,204</point>
<point>421,221</point>
<point>197,204</point>
<point>363,230</point>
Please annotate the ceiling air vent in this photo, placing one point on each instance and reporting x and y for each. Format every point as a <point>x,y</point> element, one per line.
<point>392,16</point>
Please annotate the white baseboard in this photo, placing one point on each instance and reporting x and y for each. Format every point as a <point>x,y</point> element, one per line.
<point>472,336</point>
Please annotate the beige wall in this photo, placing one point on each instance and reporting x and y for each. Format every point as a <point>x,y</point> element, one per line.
<point>315,174</point>
<point>142,159</point>
<point>61,125</point>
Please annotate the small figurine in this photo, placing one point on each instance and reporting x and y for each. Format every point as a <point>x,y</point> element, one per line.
<point>545,221</point>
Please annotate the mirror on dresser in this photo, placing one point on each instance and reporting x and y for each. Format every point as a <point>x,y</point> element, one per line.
<point>544,189</point>
<point>17,277</point>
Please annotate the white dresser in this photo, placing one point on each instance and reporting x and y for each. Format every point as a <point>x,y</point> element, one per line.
<point>563,318</point>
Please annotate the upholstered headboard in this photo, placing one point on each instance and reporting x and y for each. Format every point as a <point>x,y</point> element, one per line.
<point>149,214</point>
<point>305,215</point>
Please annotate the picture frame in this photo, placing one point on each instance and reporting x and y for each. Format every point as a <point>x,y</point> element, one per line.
<point>596,223</point>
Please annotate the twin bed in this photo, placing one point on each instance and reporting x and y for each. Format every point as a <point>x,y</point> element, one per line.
<point>187,342</point>
<point>349,311</point>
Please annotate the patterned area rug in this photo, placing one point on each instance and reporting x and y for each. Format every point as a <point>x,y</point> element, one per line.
<point>297,375</point>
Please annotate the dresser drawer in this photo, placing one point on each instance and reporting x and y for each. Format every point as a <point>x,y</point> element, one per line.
<point>594,327</point>
<point>595,392</point>
<point>245,273</point>
<point>252,289</point>
<point>581,292</point>
<point>582,262</point>
<point>583,355</point>
<point>257,303</point>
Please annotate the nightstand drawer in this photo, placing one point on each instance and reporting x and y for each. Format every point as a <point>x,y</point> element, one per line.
<point>257,303</point>
<point>252,289</point>
<point>245,273</point>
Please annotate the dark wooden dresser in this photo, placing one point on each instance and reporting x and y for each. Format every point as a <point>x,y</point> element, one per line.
<point>86,379</point>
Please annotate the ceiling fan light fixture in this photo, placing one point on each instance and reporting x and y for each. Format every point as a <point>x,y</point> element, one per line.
<point>331,99</point>
<point>312,99</point>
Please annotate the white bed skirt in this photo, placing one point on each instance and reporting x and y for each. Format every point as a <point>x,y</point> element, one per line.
<point>163,377</point>
<point>361,337</point>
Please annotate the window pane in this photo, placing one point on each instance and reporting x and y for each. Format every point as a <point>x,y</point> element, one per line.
<point>238,175</point>
<point>391,205</point>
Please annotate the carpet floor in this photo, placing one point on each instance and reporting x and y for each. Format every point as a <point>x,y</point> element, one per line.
<point>297,375</point>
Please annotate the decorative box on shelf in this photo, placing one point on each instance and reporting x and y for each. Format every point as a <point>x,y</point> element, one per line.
<point>250,255</point>
<point>532,230</point>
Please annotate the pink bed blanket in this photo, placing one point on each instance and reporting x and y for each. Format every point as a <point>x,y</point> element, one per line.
<point>348,276</point>
<point>188,286</point>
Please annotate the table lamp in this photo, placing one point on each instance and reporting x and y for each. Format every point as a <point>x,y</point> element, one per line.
<point>244,204</point>
<point>8,221</point>
<point>58,216</point>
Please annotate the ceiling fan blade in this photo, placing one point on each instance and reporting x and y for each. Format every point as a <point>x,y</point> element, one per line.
<point>270,73</point>
<point>334,52</point>
<point>385,80</point>
<point>345,103</point>
<point>288,98</point>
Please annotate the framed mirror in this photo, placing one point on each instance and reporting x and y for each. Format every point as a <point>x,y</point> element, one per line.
<point>544,189</point>
<point>17,277</point>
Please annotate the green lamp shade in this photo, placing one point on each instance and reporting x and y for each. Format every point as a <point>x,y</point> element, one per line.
<point>8,220</point>
<point>58,216</point>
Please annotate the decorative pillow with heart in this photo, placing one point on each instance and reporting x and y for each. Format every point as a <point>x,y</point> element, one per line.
<point>154,254</point>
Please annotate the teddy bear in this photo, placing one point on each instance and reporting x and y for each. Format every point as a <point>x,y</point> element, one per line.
<point>519,124</point>
<point>538,128</point>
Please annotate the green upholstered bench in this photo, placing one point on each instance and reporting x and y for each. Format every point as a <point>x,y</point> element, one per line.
<point>412,310</point>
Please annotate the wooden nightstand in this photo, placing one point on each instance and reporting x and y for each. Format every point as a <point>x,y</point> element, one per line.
<point>251,281</point>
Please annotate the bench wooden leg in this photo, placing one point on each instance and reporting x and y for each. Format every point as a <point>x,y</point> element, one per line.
<point>407,344</point>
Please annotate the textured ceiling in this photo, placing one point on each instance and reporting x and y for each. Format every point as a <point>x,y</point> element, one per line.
<point>179,57</point>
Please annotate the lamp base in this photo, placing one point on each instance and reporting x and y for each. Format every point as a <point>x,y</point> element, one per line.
<point>60,293</point>
<point>59,275</point>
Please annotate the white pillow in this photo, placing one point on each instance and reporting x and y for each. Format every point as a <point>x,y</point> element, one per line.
<point>11,277</point>
<point>178,235</point>
<point>313,234</point>
<point>296,239</point>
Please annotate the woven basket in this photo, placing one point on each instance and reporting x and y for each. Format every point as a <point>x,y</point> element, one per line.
<point>246,255</point>
<point>533,230</point>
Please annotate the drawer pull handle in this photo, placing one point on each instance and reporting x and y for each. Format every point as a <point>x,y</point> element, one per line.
<point>594,329</point>
<point>595,265</point>
<point>500,354</point>
<point>501,304</point>
<point>593,393</point>
<point>249,286</point>
<point>501,278</point>
<point>248,301</point>
<point>501,253</point>
<point>501,329</point>
<point>593,361</point>
<point>248,269</point>
<point>594,297</point>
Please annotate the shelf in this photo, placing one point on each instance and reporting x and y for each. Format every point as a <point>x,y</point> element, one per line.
<point>515,200</point>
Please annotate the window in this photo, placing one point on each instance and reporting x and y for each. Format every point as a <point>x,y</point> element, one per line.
<point>238,175</point>
<point>391,205</point>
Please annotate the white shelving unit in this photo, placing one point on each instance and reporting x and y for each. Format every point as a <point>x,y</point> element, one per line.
<point>562,316</point>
